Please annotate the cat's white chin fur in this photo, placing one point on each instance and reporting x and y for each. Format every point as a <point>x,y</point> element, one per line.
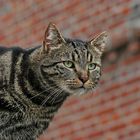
<point>78,91</point>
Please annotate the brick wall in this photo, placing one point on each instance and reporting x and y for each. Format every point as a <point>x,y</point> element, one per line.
<point>112,111</point>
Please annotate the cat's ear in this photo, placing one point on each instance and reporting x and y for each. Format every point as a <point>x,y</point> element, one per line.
<point>99,43</point>
<point>52,38</point>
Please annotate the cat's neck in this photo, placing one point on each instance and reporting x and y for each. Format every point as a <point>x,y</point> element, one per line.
<point>39,92</point>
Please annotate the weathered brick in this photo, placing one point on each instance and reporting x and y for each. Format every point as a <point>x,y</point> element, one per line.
<point>136,121</point>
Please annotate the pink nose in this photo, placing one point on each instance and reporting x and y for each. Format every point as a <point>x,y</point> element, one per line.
<point>83,77</point>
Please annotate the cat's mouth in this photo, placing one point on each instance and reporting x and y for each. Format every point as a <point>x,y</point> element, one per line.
<point>80,87</point>
<point>79,90</point>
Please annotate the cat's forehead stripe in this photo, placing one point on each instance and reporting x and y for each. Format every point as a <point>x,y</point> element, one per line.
<point>75,54</point>
<point>80,48</point>
<point>89,57</point>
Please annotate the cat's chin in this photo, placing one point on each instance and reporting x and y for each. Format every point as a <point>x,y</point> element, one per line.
<point>78,91</point>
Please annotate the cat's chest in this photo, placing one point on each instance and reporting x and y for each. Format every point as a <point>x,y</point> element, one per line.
<point>37,118</point>
<point>39,113</point>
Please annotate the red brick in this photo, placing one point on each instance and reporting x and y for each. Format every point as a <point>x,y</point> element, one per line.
<point>106,111</point>
<point>131,60</point>
<point>104,120</point>
<point>126,10</point>
<point>115,116</point>
<point>129,102</point>
<point>95,133</point>
<point>118,127</point>
<point>138,109</point>
<point>110,68</point>
<point>117,23</point>
<point>2,37</point>
<point>136,121</point>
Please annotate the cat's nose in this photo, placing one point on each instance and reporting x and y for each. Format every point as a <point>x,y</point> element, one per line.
<point>83,78</point>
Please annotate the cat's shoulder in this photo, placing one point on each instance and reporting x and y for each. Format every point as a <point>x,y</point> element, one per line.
<point>4,49</point>
<point>16,49</point>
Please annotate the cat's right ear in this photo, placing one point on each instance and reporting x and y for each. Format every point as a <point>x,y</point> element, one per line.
<point>99,43</point>
<point>52,38</point>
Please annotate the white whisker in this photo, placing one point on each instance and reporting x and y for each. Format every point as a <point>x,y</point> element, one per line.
<point>60,91</point>
<point>49,96</point>
<point>50,88</point>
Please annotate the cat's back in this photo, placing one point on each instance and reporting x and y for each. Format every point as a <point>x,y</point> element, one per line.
<point>5,62</point>
<point>7,56</point>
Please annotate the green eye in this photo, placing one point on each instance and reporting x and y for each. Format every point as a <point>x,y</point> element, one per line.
<point>91,66</point>
<point>68,64</point>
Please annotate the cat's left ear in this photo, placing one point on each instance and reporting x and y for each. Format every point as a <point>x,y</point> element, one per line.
<point>99,43</point>
<point>52,38</point>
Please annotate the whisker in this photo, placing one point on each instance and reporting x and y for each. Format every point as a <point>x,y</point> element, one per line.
<point>47,89</point>
<point>60,91</point>
<point>49,96</point>
<point>57,92</point>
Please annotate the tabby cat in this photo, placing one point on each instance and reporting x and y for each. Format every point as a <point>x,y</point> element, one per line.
<point>35,82</point>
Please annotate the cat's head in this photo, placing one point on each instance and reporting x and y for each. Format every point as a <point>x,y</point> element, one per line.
<point>72,65</point>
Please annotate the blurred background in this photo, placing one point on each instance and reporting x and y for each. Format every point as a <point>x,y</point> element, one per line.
<point>112,112</point>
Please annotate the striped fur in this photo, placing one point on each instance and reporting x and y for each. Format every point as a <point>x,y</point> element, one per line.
<point>34,82</point>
